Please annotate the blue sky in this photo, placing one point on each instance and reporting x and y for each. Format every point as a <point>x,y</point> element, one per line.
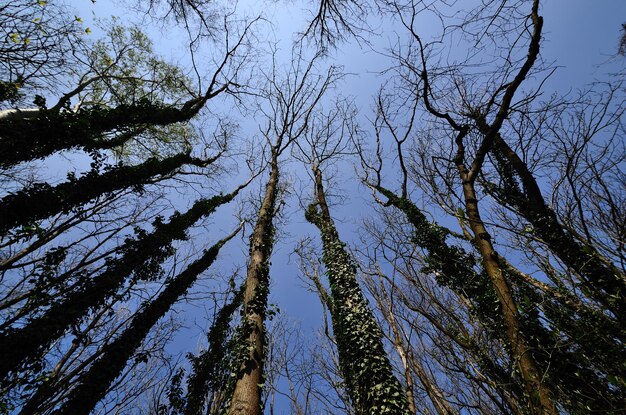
<point>581,36</point>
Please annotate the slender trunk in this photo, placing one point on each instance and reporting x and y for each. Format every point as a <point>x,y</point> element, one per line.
<point>246,396</point>
<point>41,200</point>
<point>454,268</point>
<point>142,257</point>
<point>400,348</point>
<point>93,385</point>
<point>434,393</point>
<point>365,367</point>
<point>55,381</point>
<point>538,393</point>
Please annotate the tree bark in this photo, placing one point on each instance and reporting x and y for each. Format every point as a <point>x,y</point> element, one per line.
<point>538,393</point>
<point>246,396</point>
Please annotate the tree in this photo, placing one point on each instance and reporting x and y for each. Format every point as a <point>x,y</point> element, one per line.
<point>487,276</point>
<point>364,365</point>
<point>41,200</point>
<point>209,377</point>
<point>93,384</point>
<point>290,103</point>
<point>140,259</point>
<point>531,321</point>
<point>123,87</point>
<point>362,358</point>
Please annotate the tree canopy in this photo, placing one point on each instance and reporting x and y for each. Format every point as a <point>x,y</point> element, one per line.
<point>328,207</point>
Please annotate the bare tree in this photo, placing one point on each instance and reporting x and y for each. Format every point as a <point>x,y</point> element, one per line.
<point>289,103</point>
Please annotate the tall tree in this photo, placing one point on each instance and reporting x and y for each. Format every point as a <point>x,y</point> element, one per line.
<point>210,368</point>
<point>365,367</point>
<point>532,316</point>
<point>140,258</point>
<point>291,101</point>
<point>41,200</point>
<point>93,384</point>
<point>540,396</point>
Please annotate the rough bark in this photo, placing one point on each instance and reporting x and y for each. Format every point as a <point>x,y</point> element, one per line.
<point>246,395</point>
<point>538,393</point>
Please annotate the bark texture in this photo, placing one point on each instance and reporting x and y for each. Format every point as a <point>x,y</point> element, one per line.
<point>246,395</point>
<point>537,391</point>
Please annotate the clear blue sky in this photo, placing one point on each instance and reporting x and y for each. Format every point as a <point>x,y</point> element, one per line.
<point>581,36</point>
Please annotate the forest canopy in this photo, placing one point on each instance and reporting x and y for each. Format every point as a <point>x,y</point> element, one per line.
<point>326,207</point>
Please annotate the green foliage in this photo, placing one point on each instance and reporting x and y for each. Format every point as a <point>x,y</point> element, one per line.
<point>89,128</point>
<point>366,370</point>
<point>41,200</point>
<point>139,258</point>
<point>130,73</point>
<point>577,347</point>
<point>10,91</point>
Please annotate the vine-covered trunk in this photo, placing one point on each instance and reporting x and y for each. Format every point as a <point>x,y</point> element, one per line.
<point>246,395</point>
<point>41,200</point>
<point>141,257</point>
<point>210,368</point>
<point>569,362</point>
<point>603,280</point>
<point>46,131</point>
<point>538,393</point>
<point>92,386</point>
<point>365,367</point>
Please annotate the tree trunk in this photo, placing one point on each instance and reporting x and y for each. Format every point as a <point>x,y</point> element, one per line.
<point>538,393</point>
<point>207,373</point>
<point>93,385</point>
<point>598,274</point>
<point>41,200</point>
<point>246,396</point>
<point>48,131</point>
<point>19,346</point>
<point>365,367</point>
